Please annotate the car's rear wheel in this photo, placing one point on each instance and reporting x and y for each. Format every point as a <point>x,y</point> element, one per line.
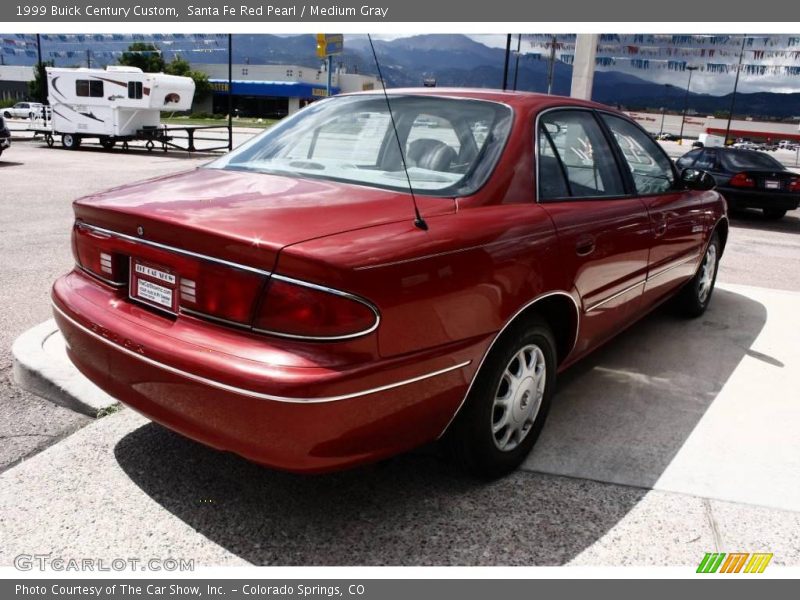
<point>70,141</point>
<point>693,299</point>
<point>507,406</point>
<point>774,213</point>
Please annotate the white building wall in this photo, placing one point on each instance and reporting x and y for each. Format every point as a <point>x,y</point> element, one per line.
<point>346,82</point>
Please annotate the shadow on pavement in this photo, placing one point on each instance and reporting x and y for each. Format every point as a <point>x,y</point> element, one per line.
<point>754,219</point>
<point>415,509</point>
<point>656,380</point>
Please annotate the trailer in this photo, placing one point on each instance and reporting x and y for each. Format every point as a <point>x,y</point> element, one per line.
<point>115,105</point>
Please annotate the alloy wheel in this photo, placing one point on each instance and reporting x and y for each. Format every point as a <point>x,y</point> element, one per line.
<point>707,271</point>
<point>518,397</point>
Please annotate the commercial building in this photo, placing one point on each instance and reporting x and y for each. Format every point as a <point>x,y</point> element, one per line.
<point>274,91</point>
<point>14,82</point>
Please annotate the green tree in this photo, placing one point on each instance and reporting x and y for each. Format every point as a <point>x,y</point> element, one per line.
<point>145,56</point>
<point>37,89</point>
<point>180,66</point>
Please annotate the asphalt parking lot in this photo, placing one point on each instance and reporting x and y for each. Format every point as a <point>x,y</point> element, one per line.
<point>676,439</point>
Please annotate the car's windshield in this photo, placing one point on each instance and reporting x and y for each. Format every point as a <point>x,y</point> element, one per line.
<point>740,160</point>
<point>450,145</point>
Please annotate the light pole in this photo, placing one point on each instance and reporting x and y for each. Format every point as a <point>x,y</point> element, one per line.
<point>733,98</point>
<point>686,101</point>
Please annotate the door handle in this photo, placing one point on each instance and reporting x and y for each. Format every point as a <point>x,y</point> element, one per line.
<point>661,227</point>
<point>585,245</point>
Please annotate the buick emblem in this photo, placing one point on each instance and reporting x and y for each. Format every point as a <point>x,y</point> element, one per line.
<point>140,230</point>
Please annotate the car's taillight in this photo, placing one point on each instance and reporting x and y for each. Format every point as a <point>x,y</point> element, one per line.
<point>742,180</point>
<point>794,184</point>
<point>299,310</point>
<point>220,292</point>
<point>90,255</point>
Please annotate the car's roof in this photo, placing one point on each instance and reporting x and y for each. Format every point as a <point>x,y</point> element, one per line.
<point>512,98</point>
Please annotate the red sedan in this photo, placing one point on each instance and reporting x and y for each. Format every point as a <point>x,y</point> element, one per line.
<point>294,303</point>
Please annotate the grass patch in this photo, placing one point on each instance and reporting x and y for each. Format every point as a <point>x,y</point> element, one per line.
<point>109,410</point>
<point>241,122</point>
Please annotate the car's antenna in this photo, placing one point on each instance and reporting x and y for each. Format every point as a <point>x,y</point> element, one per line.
<point>418,220</point>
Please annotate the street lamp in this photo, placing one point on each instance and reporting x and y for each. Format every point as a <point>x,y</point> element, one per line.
<point>686,101</point>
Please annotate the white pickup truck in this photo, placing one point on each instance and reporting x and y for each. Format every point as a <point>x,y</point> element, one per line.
<point>23,110</point>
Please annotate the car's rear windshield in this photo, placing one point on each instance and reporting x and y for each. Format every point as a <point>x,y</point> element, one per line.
<point>450,145</point>
<point>740,160</point>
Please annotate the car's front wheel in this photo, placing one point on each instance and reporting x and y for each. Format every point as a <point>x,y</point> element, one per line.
<point>507,406</point>
<point>695,296</point>
<point>7,115</point>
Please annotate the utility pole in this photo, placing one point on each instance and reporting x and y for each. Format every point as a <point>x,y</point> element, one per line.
<point>88,59</point>
<point>40,71</point>
<point>505,66</point>
<point>551,66</point>
<point>516,62</point>
<point>686,101</point>
<point>735,87</point>
<point>230,91</point>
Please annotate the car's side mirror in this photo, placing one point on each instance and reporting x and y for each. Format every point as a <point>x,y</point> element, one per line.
<point>696,179</point>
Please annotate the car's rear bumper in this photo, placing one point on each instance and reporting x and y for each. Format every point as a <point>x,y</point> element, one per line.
<point>188,375</point>
<point>759,199</point>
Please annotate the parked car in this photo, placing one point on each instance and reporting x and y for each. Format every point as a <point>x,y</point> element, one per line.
<point>23,110</point>
<point>698,144</point>
<point>668,137</point>
<point>5,136</point>
<point>294,303</point>
<point>746,145</point>
<point>748,179</point>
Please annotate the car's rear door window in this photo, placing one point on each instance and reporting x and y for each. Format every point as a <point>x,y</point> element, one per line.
<point>586,159</point>
<point>707,161</point>
<point>651,168</point>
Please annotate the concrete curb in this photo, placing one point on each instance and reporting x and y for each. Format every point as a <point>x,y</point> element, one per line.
<point>41,366</point>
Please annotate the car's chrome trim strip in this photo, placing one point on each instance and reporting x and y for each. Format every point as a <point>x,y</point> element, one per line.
<point>597,305</point>
<point>680,263</point>
<point>114,284</point>
<point>138,240</point>
<point>251,393</point>
<point>269,274</point>
<point>497,337</point>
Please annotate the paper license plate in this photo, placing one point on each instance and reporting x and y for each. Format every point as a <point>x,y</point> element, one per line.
<point>772,184</point>
<point>153,285</point>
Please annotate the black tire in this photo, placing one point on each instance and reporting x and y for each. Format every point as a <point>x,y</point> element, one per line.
<point>774,213</point>
<point>7,115</point>
<point>471,440</point>
<point>107,143</point>
<point>692,301</point>
<point>70,141</point>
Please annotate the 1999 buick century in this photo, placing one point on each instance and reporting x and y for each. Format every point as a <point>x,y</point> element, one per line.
<point>287,303</point>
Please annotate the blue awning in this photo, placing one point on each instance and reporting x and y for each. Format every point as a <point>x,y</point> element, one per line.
<point>285,89</point>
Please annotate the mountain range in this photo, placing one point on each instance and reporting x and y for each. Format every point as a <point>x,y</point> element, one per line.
<point>459,61</point>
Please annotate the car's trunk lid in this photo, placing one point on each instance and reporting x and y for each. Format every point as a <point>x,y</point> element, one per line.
<point>245,217</point>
